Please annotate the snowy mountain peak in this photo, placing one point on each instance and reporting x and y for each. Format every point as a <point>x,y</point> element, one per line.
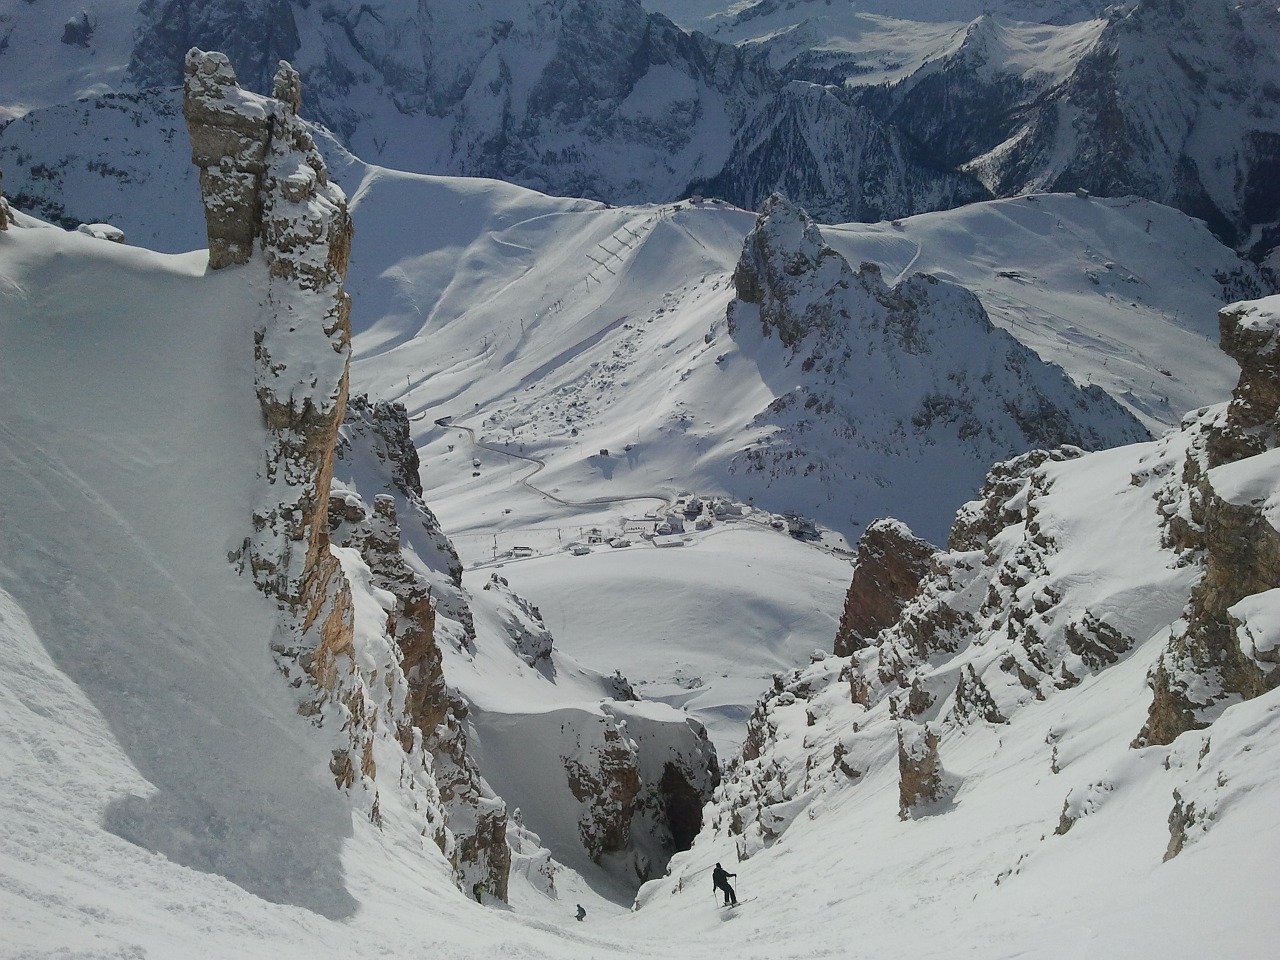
<point>882,376</point>
<point>788,272</point>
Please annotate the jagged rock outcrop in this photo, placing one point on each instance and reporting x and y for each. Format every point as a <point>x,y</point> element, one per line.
<point>530,638</point>
<point>883,375</point>
<point>1248,334</point>
<point>411,620</point>
<point>607,782</point>
<point>678,771</point>
<point>641,781</point>
<point>784,263</point>
<point>1215,659</point>
<point>376,452</point>
<point>887,570</point>
<point>263,182</point>
<point>229,133</point>
<point>923,785</point>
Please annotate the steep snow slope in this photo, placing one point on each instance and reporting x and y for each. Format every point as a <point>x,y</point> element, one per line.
<point>122,495</point>
<point>127,454</point>
<point>1002,709</point>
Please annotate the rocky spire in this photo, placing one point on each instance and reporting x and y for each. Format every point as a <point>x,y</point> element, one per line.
<point>886,574</point>
<point>271,209</point>
<point>788,272</point>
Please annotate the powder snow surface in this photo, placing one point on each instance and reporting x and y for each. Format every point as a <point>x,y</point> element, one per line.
<point>159,790</point>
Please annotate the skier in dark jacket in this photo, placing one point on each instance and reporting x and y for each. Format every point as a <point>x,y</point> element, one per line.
<point>720,881</point>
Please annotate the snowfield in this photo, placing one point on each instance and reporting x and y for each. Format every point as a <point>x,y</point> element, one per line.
<point>571,382</point>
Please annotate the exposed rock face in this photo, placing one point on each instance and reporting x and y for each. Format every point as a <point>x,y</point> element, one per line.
<point>1248,334</point>
<point>411,620</point>
<point>882,374</point>
<point>784,263</point>
<point>229,133</point>
<point>1214,660</point>
<point>254,36</point>
<point>922,783</point>
<point>378,431</point>
<point>375,443</point>
<point>678,772</point>
<point>637,781</point>
<point>886,574</point>
<point>78,31</point>
<point>263,180</point>
<point>608,785</point>
<point>253,153</point>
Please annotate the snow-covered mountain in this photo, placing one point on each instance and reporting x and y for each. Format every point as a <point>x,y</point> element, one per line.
<point>1172,102</point>
<point>1089,666</point>
<point>902,388</point>
<point>859,113</point>
<point>166,788</point>
<point>601,100</point>
<point>264,697</point>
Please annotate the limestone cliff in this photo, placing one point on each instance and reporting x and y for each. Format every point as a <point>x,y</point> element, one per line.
<point>886,574</point>
<point>378,687</point>
<point>394,536</point>
<point>1215,660</point>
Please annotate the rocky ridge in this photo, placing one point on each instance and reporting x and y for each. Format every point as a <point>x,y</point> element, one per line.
<point>1216,658</point>
<point>375,453</point>
<point>882,374</point>
<point>601,100</point>
<point>1068,566</point>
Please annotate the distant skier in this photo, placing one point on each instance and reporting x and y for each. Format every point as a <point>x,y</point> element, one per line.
<point>582,914</point>
<point>477,889</point>
<point>720,881</point>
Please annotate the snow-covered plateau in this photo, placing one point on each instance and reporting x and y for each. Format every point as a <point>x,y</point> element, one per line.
<point>398,564</point>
